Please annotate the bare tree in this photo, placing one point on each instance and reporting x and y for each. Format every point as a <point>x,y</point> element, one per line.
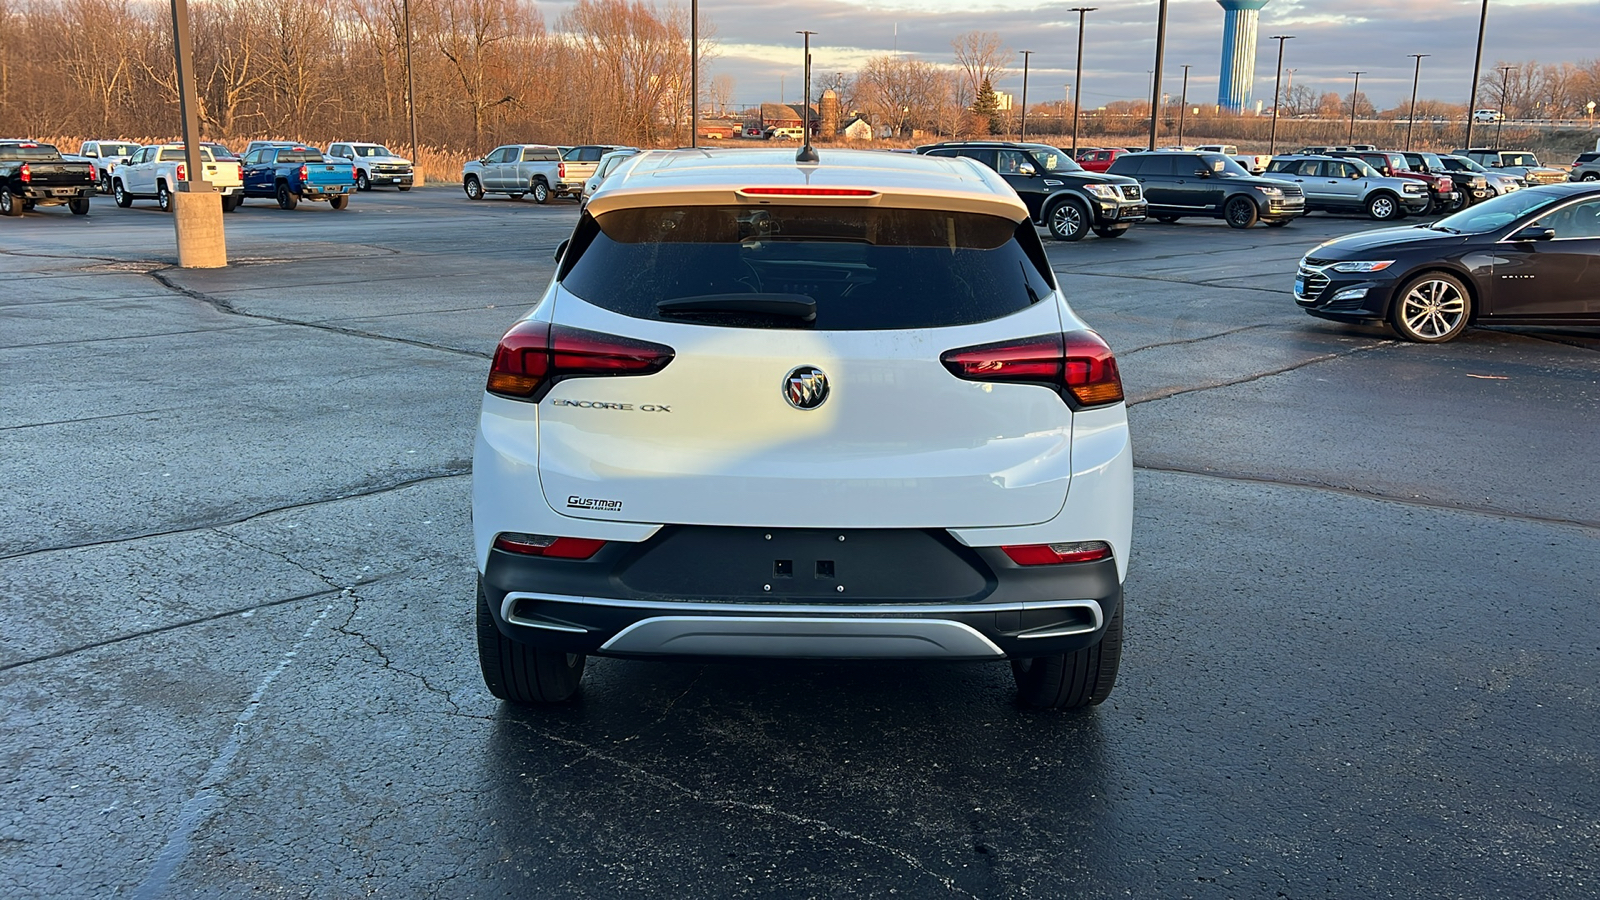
<point>721,93</point>
<point>981,56</point>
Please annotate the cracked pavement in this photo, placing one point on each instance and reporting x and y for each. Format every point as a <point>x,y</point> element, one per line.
<point>236,587</point>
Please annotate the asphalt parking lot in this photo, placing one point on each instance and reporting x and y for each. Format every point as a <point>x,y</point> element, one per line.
<point>236,589</point>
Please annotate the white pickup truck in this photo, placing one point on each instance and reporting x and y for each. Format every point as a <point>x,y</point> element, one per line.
<point>106,156</point>
<point>375,164</point>
<point>153,173</point>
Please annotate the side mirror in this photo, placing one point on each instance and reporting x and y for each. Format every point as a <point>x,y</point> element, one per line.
<point>1202,173</point>
<point>561,249</point>
<point>1025,170</point>
<point>1355,176</point>
<point>1533,232</point>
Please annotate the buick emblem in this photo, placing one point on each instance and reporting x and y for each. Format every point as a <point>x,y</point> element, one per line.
<point>805,387</point>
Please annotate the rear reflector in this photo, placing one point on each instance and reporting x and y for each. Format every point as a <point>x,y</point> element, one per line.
<point>547,546</point>
<point>1057,554</point>
<point>535,355</point>
<point>1078,361</point>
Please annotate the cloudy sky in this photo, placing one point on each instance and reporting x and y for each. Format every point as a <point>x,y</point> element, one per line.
<point>758,44</point>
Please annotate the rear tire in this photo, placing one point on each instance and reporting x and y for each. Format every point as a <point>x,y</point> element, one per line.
<point>79,207</point>
<point>517,673</point>
<point>1591,176</point>
<point>1072,680</point>
<point>124,199</point>
<point>9,206</point>
<point>473,187</point>
<point>163,197</point>
<point>404,188</point>
<point>1241,212</point>
<point>102,183</point>
<point>540,192</point>
<point>1068,221</point>
<point>1277,223</point>
<point>230,202</point>
<point>339,202</point>
<point>287,199</point>
<point>1431,308</point>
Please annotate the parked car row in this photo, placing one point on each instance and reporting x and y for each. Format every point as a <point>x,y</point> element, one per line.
<point>541,171</point>
<point>37,174</point>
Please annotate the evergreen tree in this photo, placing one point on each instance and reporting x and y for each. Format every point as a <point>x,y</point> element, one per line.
<point>985,108</point>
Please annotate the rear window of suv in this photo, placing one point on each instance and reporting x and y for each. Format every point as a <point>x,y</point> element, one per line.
<point>866,268</point>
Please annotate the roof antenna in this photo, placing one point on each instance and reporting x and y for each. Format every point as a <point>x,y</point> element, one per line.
<point>807,154</point>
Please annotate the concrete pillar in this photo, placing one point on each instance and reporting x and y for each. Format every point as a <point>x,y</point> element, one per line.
<point>197,217</point>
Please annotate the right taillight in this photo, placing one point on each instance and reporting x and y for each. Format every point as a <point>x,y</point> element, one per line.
<point>1057,554</point>
<point>1078,362</point>
<point>535,355</point>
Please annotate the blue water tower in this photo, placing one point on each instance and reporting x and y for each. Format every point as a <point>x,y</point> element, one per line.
<point>1238,52</point>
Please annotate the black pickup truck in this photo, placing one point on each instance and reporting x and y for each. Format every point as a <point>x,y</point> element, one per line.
<point>34,174</point>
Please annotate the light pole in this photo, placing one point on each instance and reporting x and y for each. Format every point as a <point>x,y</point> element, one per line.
<point>1477,65</point>
<point>196,214</point>
<point>807,154</point>
<point>411,87</point>
<point>1414,79</point>
<point>1023,133</point>
<point>1077,83</point>
<point>694,73</point>
<point>1272,140</point>
<point>1500,123</point>
<point>1355,95</point>
<point>1155,76</point>
<point>1183,104</point>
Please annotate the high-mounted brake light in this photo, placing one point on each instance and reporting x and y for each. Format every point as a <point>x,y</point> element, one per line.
<point>547,546</point>
<point>535,355</point>
<point>1058,554</point>
<point>1078,362</point>
<point>24,174</point>
<point>808,192</point>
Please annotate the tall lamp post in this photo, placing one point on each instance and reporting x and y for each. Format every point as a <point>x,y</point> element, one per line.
<point>411,86</point>
<point>1272,140</point>
<point>807,153</point>
<point>1183,104</point>
<point>196,214</point>
<point>694,73</point>
<point>1414,79</point>
<point>1023,132</point>
<point>1155,76</point>
<point>1500,123</point>
<point>1077,82</point>
<point>1355,96</point>
<point>1477,66</point>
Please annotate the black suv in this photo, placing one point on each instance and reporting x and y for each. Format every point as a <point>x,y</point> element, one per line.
<point>1212,185</point>
<point>1059,193</point>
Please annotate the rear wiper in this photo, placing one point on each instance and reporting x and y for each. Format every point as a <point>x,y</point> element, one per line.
<point>789,306</point>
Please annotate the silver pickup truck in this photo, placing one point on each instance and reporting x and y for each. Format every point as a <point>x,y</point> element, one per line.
<point>515,169</point>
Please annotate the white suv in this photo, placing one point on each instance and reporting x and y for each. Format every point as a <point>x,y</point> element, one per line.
<point>837,410</point>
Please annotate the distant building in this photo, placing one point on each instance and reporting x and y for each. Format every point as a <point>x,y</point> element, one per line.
<point>1002,101</point>
<point>784,115</point>
<point>1238,52</point>
<point>857,129</point>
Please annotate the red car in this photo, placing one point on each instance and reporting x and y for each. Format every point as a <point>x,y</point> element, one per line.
<point>1098,159</point>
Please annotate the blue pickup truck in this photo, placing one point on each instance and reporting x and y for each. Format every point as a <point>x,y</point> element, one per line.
<point>290,174</point>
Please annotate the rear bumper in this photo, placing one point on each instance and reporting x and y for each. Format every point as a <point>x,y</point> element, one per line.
<point>46,194</point>
<point>316,191</point>
<point>907,594</point>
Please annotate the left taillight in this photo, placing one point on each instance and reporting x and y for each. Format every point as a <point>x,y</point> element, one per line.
<point>532,356</point>
<point>548,546</point>
<point>1058,554</point>
<point>305,174</point>
<point>1077,362</point>
<point>93,172</point>
<point>24,174</point>
<point>183,173</point>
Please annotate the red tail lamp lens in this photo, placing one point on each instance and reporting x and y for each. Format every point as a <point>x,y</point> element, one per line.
<point>1078,361</point>
<point>534,355</point>
<point>25,174</point>
<point>547,546</point>
<point>1058,554</point>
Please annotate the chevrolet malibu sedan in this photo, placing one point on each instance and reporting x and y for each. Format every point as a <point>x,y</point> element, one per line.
<point>1528,258</point>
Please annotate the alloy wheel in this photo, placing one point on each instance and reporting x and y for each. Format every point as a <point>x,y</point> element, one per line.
<point>1432,309</point>
<point>1066,221</point>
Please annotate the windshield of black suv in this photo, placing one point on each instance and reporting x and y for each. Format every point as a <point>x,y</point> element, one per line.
<point>29,151</point>
<point>1494,213</point>
<point>1224,165</point>
<point>863,268</point>
<point>1518,159</point>
<point>1051,159</point>
<point>1470,165</point>
<point>1431,160</point>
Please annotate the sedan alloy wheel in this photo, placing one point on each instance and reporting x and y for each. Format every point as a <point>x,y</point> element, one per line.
<point>1432,309</point>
